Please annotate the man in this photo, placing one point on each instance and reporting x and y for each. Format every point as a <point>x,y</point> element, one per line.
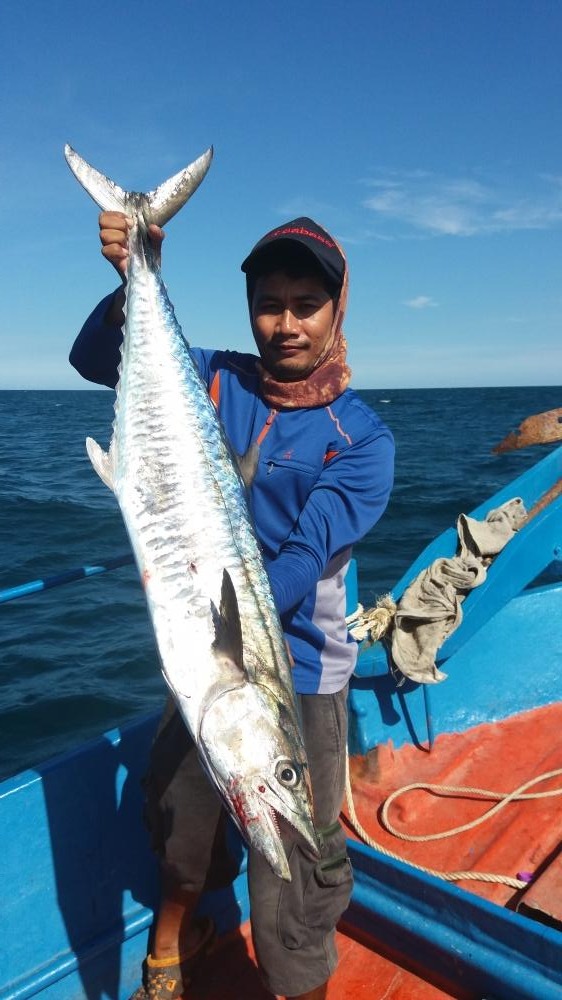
<point>323,479</point>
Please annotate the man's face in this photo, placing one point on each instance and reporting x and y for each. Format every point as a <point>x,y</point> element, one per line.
<point>292,322</point>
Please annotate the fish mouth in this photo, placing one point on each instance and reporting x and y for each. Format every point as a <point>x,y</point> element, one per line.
<point>302,826</point>
<point>265,822</point>
<point>305,832</point>
<point>279,827</point>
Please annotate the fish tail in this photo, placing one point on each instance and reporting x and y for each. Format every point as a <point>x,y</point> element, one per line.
<point>158,206</point>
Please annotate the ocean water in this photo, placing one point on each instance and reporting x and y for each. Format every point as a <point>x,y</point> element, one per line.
<point>80,659</point>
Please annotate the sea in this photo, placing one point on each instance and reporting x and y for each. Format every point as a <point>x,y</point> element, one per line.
<point>79,659</point>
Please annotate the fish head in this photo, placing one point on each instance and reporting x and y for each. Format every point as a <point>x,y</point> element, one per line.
<point>250,740</point>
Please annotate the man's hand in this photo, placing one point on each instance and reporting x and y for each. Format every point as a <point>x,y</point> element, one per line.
<point>114,236</point>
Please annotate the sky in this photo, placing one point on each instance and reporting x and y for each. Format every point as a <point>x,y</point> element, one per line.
<point>426,135</point>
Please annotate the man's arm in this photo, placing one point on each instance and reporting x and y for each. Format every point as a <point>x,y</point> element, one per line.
<point>348,499</point>
<point>96,352</point>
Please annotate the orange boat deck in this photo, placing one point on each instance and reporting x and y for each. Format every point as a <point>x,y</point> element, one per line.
<point>523,837</point>
<point>231,974</point>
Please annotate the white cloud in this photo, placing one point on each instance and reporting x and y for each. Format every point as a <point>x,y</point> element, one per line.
<point>462,206</point>
<point>421,302</point>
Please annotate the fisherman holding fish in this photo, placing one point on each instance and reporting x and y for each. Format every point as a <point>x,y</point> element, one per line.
<point>321,480</point>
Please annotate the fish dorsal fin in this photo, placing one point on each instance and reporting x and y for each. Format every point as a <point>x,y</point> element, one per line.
<point>228,629</point>
<point>156,206</point>
<point>248,464</point>
<point>102,461</point>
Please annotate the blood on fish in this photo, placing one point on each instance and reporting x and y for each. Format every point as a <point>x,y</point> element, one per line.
<point>239,802</point>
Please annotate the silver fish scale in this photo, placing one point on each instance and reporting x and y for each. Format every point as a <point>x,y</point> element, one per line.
<point>187,522</point>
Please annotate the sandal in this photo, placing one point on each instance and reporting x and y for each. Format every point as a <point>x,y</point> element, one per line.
<point>167,979</point>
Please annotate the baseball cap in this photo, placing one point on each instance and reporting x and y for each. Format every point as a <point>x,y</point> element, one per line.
<point>303,232</point>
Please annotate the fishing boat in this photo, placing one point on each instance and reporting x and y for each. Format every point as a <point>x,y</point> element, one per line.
<point>79,883</point>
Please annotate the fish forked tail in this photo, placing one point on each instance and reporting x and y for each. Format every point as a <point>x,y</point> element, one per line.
<point>156,206</point>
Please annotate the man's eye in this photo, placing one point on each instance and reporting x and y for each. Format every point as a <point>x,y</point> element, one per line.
<point>307,306</point>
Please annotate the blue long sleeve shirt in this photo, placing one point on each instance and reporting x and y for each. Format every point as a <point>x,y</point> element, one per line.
<point>323,479</point>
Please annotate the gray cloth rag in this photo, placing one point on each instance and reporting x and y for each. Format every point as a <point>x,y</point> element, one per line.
<point>430,608</point>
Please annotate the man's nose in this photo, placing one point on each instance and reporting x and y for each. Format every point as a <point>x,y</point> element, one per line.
<point>288,322</point>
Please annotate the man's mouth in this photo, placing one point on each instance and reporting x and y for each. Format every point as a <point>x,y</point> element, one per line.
<point>288,347</point>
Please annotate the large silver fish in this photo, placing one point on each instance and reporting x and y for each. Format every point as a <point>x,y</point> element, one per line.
<point>184,504</point>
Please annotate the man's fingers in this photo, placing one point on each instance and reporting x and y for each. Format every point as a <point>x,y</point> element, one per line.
<point>118,256</point>
<point>115,220</point>
<point>156,234</point>
<point>114,237</point>
<point>114,229</point>
<point>109,237</point>
<point>115,251</point>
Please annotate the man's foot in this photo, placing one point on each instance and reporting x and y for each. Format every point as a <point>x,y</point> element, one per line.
<point>168,978</point>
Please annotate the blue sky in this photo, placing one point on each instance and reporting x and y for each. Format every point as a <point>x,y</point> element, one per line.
<point>425,134</point>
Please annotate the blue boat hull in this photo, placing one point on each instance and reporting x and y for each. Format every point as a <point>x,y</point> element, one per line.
<point>85,886</point>
<point>79,882</point>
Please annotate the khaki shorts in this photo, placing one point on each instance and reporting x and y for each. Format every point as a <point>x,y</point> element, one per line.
<point>293,923</point>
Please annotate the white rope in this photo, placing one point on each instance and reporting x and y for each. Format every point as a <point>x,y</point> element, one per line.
<point>502,800</point>
<point>370,626</point>
<point>514,883</point>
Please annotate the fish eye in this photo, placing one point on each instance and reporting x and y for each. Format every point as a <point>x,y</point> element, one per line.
<point>287,773</point>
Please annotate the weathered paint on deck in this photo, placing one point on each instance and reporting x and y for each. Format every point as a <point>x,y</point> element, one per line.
<point>496,756</point>
<point>230,973</point>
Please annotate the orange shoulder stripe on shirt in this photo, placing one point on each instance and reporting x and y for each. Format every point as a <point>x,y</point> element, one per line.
<point>215,389</point>
<point>265,429</point>
<point>341,431</point>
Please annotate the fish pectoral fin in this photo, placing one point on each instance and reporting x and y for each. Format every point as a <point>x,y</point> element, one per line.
<point>228,629</point>
<point>248,464</point>
<point>102,461</point>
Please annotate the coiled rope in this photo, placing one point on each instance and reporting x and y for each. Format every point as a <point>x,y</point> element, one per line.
<point>502,800</point>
